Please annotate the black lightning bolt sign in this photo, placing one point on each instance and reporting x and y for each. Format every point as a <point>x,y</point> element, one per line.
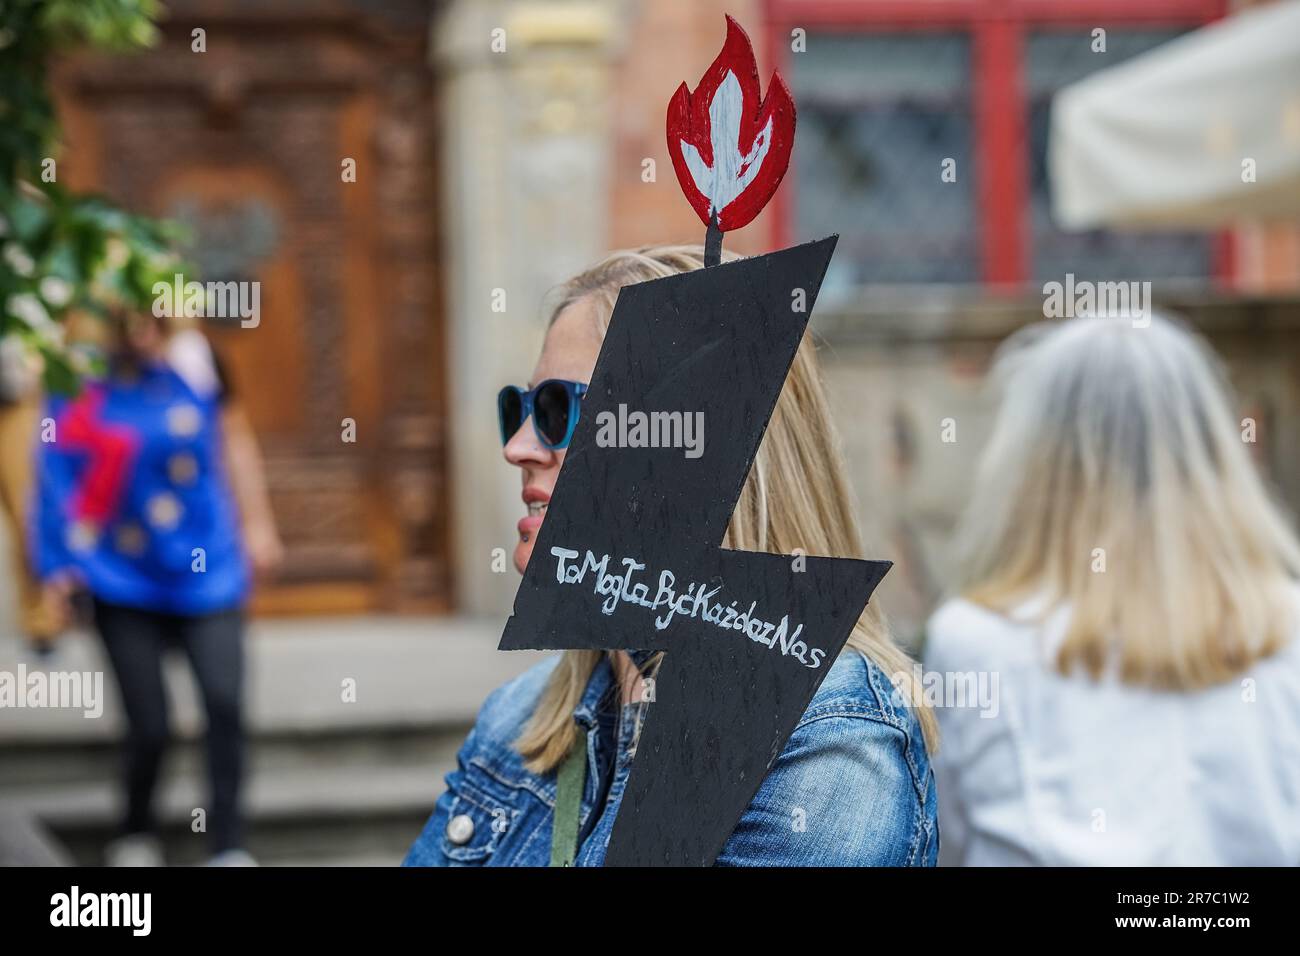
<point>630,554</point>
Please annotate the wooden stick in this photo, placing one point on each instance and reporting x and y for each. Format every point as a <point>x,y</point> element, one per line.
<point>712,242</point>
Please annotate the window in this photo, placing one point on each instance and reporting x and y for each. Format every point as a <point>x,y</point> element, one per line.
<point>1054,60</point>
<point>877,115</point>
<point>890,91</point>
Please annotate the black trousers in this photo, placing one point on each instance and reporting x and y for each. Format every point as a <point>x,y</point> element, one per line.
<point>136,642</point>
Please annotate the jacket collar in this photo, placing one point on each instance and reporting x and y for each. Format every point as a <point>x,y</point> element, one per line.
<point>601,679</point>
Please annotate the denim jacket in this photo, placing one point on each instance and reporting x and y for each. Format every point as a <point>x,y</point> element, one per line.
<point>852,787</point>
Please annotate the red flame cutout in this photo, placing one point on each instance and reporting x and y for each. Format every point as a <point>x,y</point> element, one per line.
<point>727,103</point>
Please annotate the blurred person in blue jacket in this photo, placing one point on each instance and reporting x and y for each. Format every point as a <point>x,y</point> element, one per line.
<point>151,496</point>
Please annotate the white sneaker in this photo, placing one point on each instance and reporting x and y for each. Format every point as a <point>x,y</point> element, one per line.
<point>232,858</point>
<point>137,849</point>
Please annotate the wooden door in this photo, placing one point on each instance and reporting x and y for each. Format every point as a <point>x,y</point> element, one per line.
<point>246,145</point>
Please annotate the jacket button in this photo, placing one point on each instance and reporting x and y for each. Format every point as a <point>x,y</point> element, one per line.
<point>460,828</point>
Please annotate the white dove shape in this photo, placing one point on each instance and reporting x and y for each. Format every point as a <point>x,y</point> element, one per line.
<point>724,181</point>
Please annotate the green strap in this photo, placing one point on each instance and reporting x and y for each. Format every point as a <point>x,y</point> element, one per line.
<point>568,803</point>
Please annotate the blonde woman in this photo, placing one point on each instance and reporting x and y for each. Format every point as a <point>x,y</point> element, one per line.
<point>853,784</point>
<point>1127,581</point>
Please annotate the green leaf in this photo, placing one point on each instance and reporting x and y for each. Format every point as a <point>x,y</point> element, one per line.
<point>59,376</point>
<point>27,217</point>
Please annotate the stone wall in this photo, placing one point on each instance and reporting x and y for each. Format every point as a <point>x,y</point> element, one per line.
<point>895,371</point>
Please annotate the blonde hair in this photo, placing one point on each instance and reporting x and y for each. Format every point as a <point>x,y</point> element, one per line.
<point>796,496</point>
<point>1116,485</point>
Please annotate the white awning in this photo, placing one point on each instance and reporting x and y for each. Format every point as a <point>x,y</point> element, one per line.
<point>1171,138</point>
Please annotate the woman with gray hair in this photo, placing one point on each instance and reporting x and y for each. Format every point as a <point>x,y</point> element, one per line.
<point>1125,576</point>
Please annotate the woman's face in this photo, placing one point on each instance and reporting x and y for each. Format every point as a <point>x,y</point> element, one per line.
<point>142,335</point>
<point>570,351</point>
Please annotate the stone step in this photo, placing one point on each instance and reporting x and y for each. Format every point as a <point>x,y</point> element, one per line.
<point>299,815</point>
<point>28,764</point>
<point>304,675</point>
<point>335,778</point>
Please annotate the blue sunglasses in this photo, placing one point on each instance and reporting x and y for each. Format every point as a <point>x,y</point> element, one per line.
<point>553,405</point>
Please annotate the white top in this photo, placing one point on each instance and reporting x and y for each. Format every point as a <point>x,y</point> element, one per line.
<point>1067,771</point>
<point>190,356</point>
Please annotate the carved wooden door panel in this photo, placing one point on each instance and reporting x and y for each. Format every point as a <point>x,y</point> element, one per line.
<point>246,144</point>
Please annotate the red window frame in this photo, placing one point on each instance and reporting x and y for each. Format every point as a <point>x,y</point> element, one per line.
<point>997,31</point>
